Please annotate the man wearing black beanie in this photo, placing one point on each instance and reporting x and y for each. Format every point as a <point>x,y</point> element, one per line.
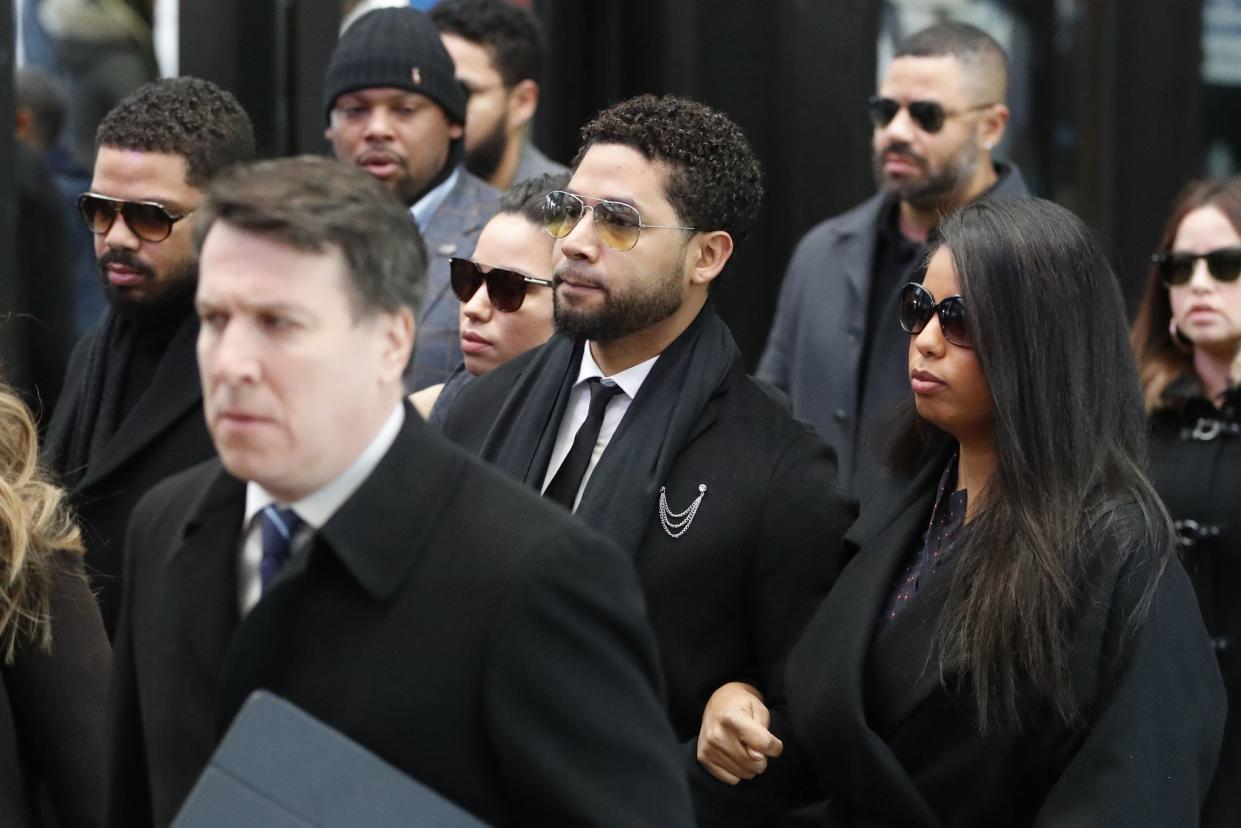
<point>395,108</point>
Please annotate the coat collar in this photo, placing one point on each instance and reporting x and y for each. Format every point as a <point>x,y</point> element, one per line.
<point>380,531</point>
<point>175,389</point>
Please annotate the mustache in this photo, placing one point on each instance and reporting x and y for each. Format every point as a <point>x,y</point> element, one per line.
<point>568,274</point>
<point>127,259</point>
<point>902,150</point>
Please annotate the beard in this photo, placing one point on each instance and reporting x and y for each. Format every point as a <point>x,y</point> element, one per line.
<point>484,159</point>
<point>937,187</point>
<point>164,296</point>
<point>621,314</point>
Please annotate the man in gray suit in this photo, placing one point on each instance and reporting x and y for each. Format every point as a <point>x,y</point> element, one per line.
<point>498,51</point>
<point>835,346</point>
<point>395,108</point>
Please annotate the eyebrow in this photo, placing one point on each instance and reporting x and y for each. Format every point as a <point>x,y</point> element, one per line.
<point>619,199</point>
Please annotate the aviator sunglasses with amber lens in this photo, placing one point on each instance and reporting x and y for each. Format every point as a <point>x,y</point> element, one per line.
<point>148,220</point>
<point>918,306</point>
<point>616,222</point>
<point>928,115</point>
<point>506,289</point>
<point>1177,269</point>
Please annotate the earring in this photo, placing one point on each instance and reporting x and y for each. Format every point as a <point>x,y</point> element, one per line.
<point>1179,340</point>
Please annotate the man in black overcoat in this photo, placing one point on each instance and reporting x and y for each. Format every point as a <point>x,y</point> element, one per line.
<point>130,413</point>
<point>342,555</point>
<point>638,414</point>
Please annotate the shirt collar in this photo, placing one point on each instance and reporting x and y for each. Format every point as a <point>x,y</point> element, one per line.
<point>317,508</point>
<point>629,380</point>
<point>426,206</point>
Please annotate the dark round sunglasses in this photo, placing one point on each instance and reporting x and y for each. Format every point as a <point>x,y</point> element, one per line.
<point>1224,265</point>
<point>148,220</point>
<point>918,306</point>
<point>506,289</point>
<point>928,115</point>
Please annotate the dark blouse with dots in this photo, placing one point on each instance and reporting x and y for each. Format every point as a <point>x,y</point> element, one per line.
<point>947,518</point>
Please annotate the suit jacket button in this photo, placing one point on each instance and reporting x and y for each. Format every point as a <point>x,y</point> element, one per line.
<point>840,414</point>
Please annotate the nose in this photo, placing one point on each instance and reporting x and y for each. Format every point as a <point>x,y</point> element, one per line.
<point>231,355</point>
<point>899,129</point>
<point>1200,279</point>
<point>930,342</point>
<point>378,124</point>
<point>120,236</point>
<point>583,241</point>
<point>478,309</point>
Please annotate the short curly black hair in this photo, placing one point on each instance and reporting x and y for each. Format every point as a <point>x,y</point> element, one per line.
<point>189,117</point>
<point>715,181</point>
<point>512,35</point>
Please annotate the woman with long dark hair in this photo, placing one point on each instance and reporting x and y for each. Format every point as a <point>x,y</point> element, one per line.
<point>53,651</point>
<point>1014,642</point>
<point>1187,339</point>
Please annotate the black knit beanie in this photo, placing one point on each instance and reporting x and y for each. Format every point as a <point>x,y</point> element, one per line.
<point>394,47</point>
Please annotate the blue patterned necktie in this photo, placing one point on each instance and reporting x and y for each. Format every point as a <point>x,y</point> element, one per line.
<point>278,527</point>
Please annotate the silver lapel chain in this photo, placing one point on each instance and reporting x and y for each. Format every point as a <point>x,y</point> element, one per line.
<point>676,523</point>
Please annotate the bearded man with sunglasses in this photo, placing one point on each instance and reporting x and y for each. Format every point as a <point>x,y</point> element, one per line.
<point>638,416</point>
<point>131,410</point>
<point>833,346</point>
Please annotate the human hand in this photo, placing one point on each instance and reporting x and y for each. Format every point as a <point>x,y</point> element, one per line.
<point>734,742</point>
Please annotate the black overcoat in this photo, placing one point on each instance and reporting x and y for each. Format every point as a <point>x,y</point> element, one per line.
<point>466,632</point>
<point>163,434</point>
<point>891,746</point>
<point>52,715</point>
<point>1196,468</point>
<point>729,597</point>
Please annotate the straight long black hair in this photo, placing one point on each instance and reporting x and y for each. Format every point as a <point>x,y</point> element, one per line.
<point>1049,330</point>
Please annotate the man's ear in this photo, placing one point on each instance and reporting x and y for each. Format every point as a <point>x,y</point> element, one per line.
<point>398,332</point>
<point>523,100</point>
<point>710,252</point>
<point>991,126</point>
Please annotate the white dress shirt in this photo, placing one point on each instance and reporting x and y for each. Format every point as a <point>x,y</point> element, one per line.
<point>315,509</point>
<point>629,380</point>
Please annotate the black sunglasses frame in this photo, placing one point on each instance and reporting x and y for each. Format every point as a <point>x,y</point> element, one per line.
<point>951,312</point>
<point>930,116</point>
<point>1176,269</point>
<point>128,210</point>
<point>467,276</point>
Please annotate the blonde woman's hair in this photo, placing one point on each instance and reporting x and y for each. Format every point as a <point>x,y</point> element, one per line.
<point>35,523</point>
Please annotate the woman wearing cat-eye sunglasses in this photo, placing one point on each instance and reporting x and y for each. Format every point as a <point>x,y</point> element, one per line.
<point>505,291</point>
<point>1187,340</point>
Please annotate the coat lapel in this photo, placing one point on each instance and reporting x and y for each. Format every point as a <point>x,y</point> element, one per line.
<point>855,251</point>
<point>202,574</point>
<point>831,682</point>
<point>174,390</point>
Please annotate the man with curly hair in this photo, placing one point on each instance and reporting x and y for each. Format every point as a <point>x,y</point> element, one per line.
<point>497,48</point>
<point>639,417</point>
<point>131,410</point>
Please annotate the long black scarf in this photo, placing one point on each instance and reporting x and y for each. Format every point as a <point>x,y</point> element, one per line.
<point>97,408</point>
<point>623,490</point>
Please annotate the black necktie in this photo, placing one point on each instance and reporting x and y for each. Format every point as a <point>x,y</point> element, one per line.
<point>277,528</point>
<point>568,479</point>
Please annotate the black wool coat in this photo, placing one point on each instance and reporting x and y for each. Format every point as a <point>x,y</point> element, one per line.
<point>52,715</point>
<point>729,597</point>
<point>1196,468</point>
<point>464,631</point>
<point>163,434</point>
<point>890,745</point>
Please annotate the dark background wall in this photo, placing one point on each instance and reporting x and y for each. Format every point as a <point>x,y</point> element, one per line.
<point>1115,95</point>
<point>13,360</point>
